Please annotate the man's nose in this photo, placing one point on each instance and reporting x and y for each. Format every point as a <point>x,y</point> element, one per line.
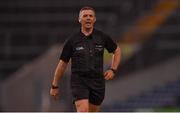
<point>88,17</point>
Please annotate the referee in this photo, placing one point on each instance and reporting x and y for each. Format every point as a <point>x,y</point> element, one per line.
<point>85,48</point>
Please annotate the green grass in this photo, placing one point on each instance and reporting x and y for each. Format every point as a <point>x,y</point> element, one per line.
<point>167,109</point>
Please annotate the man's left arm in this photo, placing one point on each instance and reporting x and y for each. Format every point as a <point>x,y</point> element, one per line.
<point>109,74</point>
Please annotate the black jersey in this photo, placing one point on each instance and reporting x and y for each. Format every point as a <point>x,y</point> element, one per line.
<point>86,52</point>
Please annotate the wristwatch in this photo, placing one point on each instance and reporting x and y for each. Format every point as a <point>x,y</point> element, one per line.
<point>54,87</point>
<point>114,71</point>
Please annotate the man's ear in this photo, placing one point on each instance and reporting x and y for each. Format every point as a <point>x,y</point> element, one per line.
<point>79,20</point>
<point>95,19</point>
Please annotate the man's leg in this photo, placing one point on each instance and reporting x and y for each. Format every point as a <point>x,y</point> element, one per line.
<point>96,94</point>
<point>94,108</point>
<point>82,105</point>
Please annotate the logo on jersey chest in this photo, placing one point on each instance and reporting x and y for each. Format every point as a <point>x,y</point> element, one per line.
<point>99,47</point>
<point>79,48</point>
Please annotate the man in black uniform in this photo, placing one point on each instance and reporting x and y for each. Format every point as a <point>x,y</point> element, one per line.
<point>86,48</point>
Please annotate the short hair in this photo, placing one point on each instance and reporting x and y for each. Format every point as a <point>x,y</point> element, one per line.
<point>87,8</point>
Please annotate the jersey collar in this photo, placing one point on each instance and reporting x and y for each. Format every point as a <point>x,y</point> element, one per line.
<point>88,37</point>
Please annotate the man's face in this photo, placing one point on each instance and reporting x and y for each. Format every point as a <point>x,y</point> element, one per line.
<point>87,18</point>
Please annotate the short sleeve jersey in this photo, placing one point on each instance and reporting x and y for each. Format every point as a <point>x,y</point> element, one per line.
<point>86,52</point>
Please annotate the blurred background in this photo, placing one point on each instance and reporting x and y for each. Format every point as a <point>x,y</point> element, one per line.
<point>32,33</point>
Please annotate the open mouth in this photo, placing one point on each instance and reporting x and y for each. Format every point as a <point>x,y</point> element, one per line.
<point>88,22</point>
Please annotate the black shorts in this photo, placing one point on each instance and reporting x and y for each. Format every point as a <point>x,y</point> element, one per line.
<point>88,86</point>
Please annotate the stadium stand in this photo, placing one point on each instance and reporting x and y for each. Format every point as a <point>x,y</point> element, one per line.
<point>29,28</point>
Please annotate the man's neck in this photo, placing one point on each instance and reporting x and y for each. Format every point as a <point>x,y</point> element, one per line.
<point>86,31</point>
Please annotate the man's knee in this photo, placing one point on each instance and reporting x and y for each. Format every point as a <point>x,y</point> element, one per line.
<point>82,105</point>
<point>94,108</point>
<point>82,108</point>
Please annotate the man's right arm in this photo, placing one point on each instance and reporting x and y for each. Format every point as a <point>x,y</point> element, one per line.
<point>60,69</point>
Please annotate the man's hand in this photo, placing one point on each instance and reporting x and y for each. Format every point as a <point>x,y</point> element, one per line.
<point>109,74</point>
<point>54,93</point>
